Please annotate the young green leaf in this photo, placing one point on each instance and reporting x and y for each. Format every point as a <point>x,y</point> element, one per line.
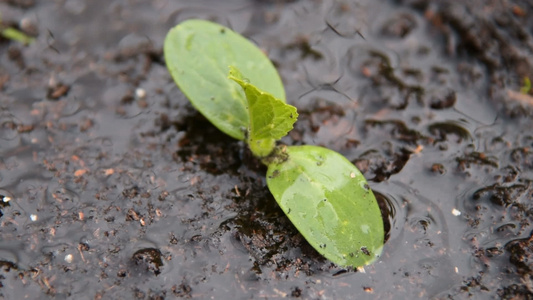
<point>270,118</point>
<point>329,201</point>
<point>198,54</point>
<point>16,35</point>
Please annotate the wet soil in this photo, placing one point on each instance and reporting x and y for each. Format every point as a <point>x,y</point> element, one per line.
<point>113,187</point>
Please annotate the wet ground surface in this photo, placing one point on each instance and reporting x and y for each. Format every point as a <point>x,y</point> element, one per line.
<point>114,187</point>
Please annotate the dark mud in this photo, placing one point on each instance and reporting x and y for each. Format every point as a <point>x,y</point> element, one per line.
<point>114,187</point>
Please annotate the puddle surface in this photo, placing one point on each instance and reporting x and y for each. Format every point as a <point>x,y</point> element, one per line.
<point>112,185</point>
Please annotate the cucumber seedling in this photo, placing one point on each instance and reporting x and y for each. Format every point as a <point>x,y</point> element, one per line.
<point>237,88</point>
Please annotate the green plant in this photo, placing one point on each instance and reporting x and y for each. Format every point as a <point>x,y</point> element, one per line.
<point>236,87</point>
<point>526,87</point>
<point>13,34</point>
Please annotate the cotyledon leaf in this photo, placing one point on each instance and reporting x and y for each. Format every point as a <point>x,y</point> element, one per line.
<point>198,54</point>
<point>270,119</point>
<point>328,200</point>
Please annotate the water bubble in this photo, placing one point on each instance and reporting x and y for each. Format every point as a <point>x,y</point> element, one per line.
<point>365,228</point>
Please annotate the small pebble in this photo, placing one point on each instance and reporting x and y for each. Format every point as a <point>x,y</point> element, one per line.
<point>68,258</point>
<point>140,93</point>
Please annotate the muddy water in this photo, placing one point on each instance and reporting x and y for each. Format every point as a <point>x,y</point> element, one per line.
<point>113,187</point>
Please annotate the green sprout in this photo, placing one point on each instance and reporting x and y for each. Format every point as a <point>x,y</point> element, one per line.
<point>16,35</point>
<point>13,34</point>
<point>237,88</point>
<point>526,87</point>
